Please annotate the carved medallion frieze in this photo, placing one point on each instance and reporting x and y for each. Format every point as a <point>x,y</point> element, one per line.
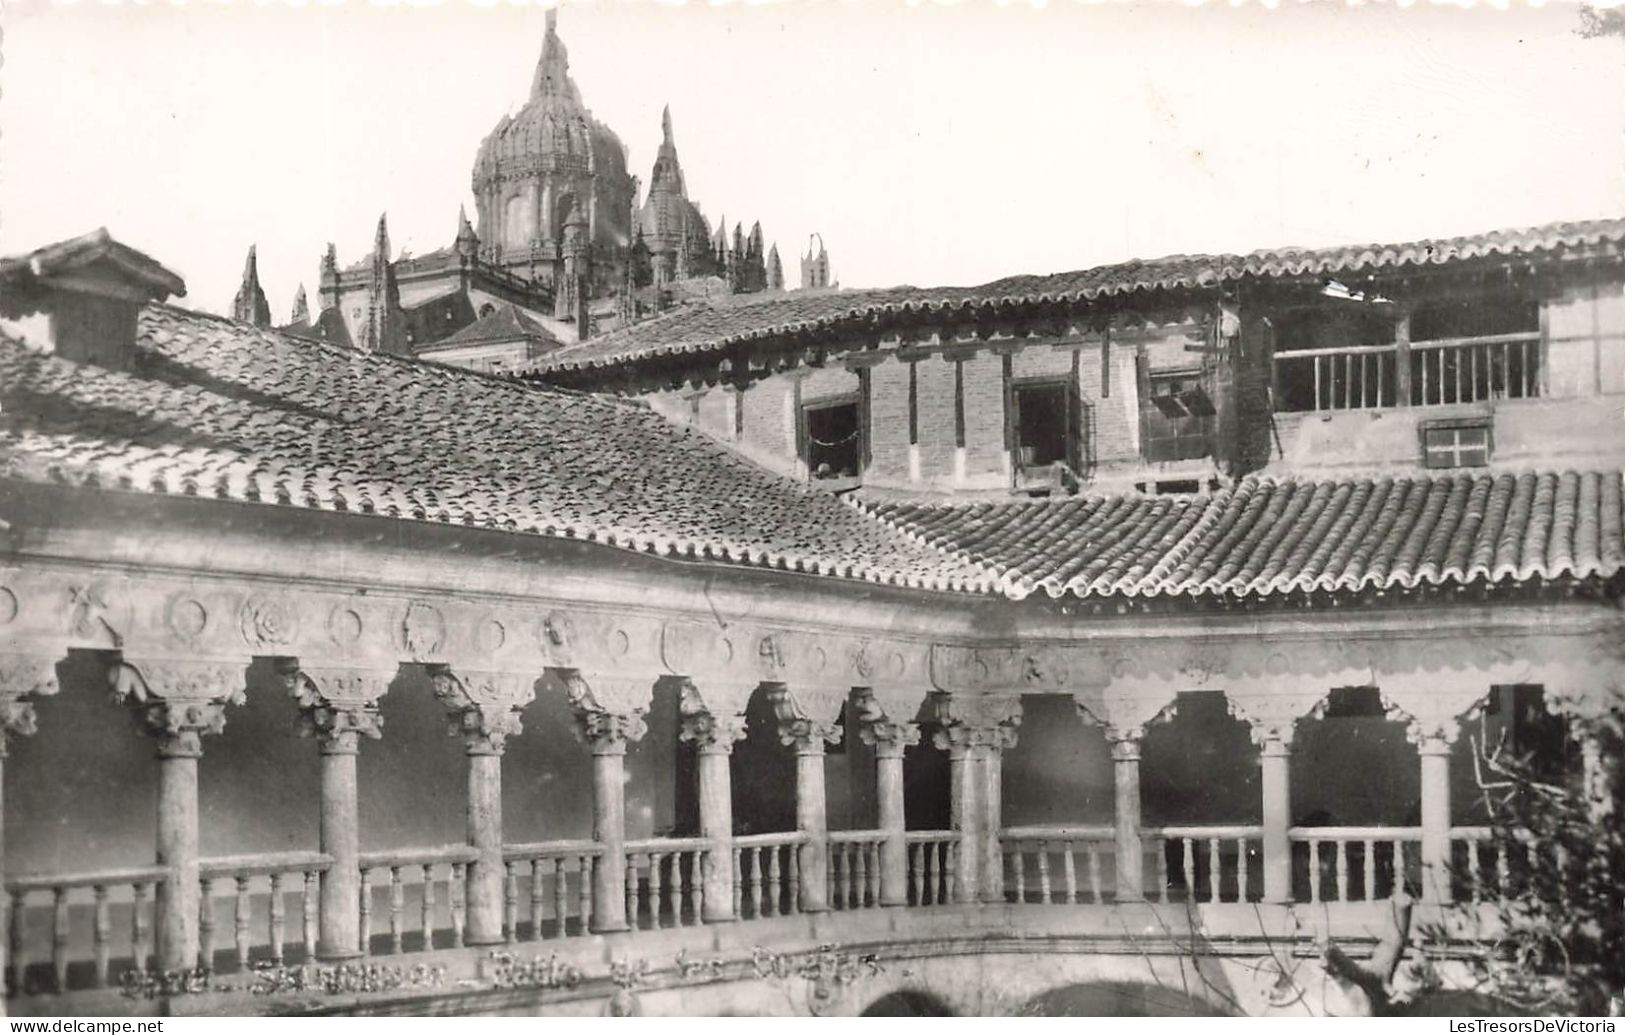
<point>268,621</point>
<point>423,630</point>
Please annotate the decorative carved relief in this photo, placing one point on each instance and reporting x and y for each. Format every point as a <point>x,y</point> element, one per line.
<point>98,613</point>
<point>484,706</point>
<point>598,692</point>
<point>186,618</point>
<point>607,733</point>
<point>798,725</point>
<point>268,621</point>
<point>1040,669</point>
<point>338,706</point>
<point>1124,720</point>
<point>975,721</point>
<point>179,701</point>
<point>423,630</point>
<point>693,649</point>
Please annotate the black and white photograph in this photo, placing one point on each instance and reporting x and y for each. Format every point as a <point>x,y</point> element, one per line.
<point>492,524</point>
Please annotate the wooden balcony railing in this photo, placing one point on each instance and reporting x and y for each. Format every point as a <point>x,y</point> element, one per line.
<point>665,884</point>
<point>541,874</point>
<point>767,874</point>
<point>1208,863</point>
<point>129,890</point>
<point>932,859</point>
<point>1355,864</point>
<point>1461,370</point>
<point>270,879</point>
<point>387,872</point>
<point>854,868</point>
<point>1035,852</point>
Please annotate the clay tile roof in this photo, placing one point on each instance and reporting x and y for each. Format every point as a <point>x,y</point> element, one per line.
<point>506,322</point>
<point>222,409</point>
<point>702,328</point>
<point>1268,536</point>
<point>22,277</point>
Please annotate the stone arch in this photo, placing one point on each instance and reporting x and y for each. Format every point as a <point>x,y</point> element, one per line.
<point>907,1002</point>
<point>1199,768</point>
<point>1117,999</point>
<point>1354,764</point>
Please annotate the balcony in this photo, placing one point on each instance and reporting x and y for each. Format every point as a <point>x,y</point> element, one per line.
<point>1440,372</point>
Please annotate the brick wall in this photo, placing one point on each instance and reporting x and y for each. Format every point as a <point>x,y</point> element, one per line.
<point>888,423</point>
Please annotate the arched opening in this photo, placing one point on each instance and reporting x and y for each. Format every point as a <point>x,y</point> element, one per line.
<point>1356,801</point>
<point>1117,999</point>
<point>907,1003</point>
<point>1057,806</point>
<point>80,794</point>
<point>1201,805</point>
<point>763,773</point>
<point>1509,740</point>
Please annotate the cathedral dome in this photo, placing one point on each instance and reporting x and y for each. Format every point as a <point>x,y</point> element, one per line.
<point>553,135</point>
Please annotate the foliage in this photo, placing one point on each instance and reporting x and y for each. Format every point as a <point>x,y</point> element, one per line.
<point>1562,899</point>
<point>1606,21</point>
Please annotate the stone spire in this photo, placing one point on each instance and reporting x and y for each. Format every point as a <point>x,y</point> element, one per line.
<point>468,243</point>
<point>775,270</point>
<point>250,306</point>
<point>383,331</point>
<point>553,70</point>
<point>301,308</point>
<point>815,265</point>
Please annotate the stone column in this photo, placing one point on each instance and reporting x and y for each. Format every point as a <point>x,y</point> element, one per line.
<point>22,678</point>
<point>1126,783</point>
<point>178,702</point>
<point>608,735</point>
<point>714,736</point>
<point>484,709</point>
<point>975,729</point>
<point>964,808</point>
<point>890,740</point>
<point>808,736</point>
<point>1275,757</point>
<point>339,706</point>
<point>1433,744</point>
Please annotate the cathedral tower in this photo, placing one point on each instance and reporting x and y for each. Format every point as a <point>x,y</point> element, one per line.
<point>250,306</point>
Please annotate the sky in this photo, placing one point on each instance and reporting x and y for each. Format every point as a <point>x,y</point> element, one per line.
<point>927,143</point>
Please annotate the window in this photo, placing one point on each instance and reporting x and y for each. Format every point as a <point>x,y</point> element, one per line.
<point>1044,430</point>
<point>1178,421</point>
<point>1341,358</point>
<point>831,441</point>
<point>1455,443</point>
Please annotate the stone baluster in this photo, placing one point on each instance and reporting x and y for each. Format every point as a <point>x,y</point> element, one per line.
<point>484,710</point>
<point>23,678</point>
<point>808,735</point>
<point>607,734</point>
<point>890,739</point>
<point>178,702</point>
<point>714,737</point>
<point>339,706</point>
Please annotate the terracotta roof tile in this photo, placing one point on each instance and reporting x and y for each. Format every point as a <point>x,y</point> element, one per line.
<point>720,323</point>
<point>1266,536</point>
<point>221,409</point>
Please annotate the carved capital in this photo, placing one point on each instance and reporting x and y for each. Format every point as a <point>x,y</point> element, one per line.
<point>1272,719</point>
<point>975,722</point>
<point>712,734</point>
<point>179,701</point>
<point>798,729</point>
<point>339,706</point>
<point>484,706</point>
<point>23,677</point>
<point>888,737</point>
<point>609,733</point>
<point>602,692</point>
<point>1125,719</point>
